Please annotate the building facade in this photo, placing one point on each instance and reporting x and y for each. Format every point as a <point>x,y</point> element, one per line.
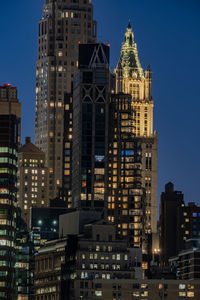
<point>24,260</point>
<point>126,197</point>
<point>32,179</point>
<point>67,268</point>
<point>188,219</point>
<point>187,263</point>
<point>145,289</point>
<point>10,116</point>
<point>178,223</point>
<point>131,79</point>
<point>92,87</point>
<point>170,204</point>
<point>63,26</point>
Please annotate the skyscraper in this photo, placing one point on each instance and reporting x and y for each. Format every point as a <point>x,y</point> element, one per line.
<point>107,156</point>
<point>63,26</point>
<point>171,203</point>
<point>92,88</point>
<point>32,179</point>
<point>126,197</point>
<point>130,79</point>
<point>10,116</point>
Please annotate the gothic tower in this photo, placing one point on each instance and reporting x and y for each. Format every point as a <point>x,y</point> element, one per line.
<point>130,79</point>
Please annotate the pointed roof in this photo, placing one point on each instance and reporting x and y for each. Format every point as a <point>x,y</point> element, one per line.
<point>129,25</point>
<point>148,68</point>
<point>99,57</point>
<point>129,60</point>
<point>28,147</point>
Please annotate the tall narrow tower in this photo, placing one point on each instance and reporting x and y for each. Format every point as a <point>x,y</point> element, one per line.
<point>131,79</point>
<point>10,116</point>
<point>63,26</point>
<point>90,151</point>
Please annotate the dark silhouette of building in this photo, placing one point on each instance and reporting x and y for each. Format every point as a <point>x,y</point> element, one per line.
<point>178,223</point>
<point>187,263</point>
<point>44,224</point>
<point>24,260</point>
<point>92,87</point>
<point>188,220</point>
<point>10,116</point>
<point>170,239</point>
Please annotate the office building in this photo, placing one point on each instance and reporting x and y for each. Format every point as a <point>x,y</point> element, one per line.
<point>63,26</point>
<point>189,223</point>
<point>187,263</point>
<point>107,156</point>
<point>143,289</point>
<point>67,268</point>
<point>130,79</point>
<point>126,197</point>
<point>170,204</point>
<point>24,260</point>
<point>32,179</point>
<point>178,223</point>
<point>92,87</point>
<point>10,116</point>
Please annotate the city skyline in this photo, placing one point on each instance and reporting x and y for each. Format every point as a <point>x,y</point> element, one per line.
<point>175,151</point>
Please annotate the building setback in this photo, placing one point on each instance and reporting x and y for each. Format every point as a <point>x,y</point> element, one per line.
<point>32,179</point>
<point>63,26</point>
<point>10,117</point>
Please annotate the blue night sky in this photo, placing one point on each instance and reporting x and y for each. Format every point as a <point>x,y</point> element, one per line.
<point>167,35</point>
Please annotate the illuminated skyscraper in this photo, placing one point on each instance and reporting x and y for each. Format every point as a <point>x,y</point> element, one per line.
<point>63,26</point>
<point>107,156</point>
<point>10,116</point>
<point>126,197</point>
<point>130,79</point>
<point>32,179</point>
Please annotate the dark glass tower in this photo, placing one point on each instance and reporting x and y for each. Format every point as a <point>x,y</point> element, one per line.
<point>92,87</point>
<point>10,115</point>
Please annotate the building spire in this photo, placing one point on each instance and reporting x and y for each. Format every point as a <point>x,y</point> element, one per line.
<point>129,56</point>
<point>129,24</point>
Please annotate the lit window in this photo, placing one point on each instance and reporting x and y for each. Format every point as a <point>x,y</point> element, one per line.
<point>182,294</point>
<point>98,293</point>
<point>181,286</point>
<point>190,294</point>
